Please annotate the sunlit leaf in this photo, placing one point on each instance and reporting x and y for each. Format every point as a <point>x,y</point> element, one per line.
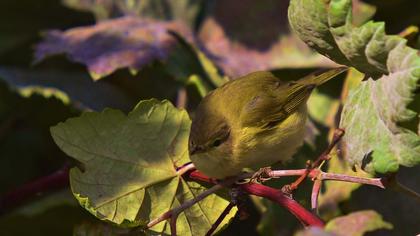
<point>128,42</point>
<point>371,116</point>
<point>128,167</point>
<point>381,106</point>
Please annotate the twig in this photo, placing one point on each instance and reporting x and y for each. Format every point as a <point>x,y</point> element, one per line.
<point>173,213</point>
<point>185,168</point>
<point>172,224</point>
<point>181,99</point>
<point>379,182</point>
<point>397,186</point>
<point>59,179</point>
<point>16,197</point>
<point>306,217</point>
<point>188,204</point>
<point>220,219</point>
<point>338,134</point>
<point>315,193</point>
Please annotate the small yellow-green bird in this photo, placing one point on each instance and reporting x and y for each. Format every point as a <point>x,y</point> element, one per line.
<point>251,122</point>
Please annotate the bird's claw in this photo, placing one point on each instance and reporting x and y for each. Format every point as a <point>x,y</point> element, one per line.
<point>261,175</point>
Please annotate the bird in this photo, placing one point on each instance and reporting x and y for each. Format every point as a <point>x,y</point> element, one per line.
<point>251,122</point>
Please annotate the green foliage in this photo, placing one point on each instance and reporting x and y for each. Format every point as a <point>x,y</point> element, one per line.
<point>125,166</point>
<point>128,166</point>
<point>371,116</point>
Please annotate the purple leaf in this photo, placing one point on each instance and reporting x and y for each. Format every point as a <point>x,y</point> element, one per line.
<point>127,42</point>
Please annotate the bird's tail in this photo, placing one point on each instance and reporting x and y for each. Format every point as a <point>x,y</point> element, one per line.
<point>322,76</point>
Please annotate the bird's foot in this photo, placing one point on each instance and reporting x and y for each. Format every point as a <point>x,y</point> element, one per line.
<point>261,175</point>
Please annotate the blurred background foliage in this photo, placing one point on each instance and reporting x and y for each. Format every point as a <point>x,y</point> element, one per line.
<point>59,58</point>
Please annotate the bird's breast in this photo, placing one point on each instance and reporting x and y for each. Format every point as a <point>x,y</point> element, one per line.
<point>261,148</point>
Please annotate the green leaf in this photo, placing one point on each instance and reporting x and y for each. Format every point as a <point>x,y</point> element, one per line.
<point>188,60</point>
<point>374,140</point>
<point>357,223</point>
<point>328,28</point>
<point>128,167</point>
<point>322,108</point>
<point>371,115</point>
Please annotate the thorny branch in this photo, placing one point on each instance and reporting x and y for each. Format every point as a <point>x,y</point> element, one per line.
<point>60,179</point>
<point>306,217</point>
<point>338,134</point>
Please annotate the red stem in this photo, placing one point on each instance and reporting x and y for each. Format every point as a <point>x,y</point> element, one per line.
<point>305,216</point>
<point>16,197</point>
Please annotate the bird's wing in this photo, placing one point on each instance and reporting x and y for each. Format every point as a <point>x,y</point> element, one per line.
<point>268,109</point>
<point>277,101</point>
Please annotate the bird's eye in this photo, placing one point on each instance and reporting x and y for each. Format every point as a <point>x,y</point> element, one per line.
<point>217,142</point>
